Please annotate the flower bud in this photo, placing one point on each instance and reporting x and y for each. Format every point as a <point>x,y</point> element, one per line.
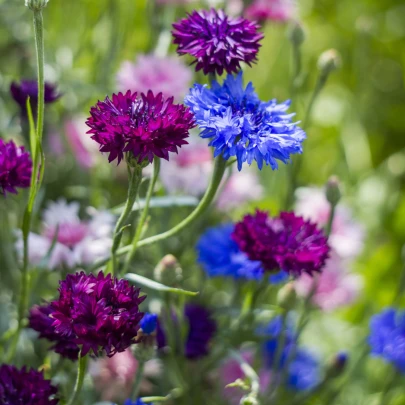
<point>287,296</point>
<point>333,192</point>
<point>296,33</point>
<point>329,61</point>
<point>168,271</point>
<point>337,365</point>
<point>249,399</point>
<point>36,5</point>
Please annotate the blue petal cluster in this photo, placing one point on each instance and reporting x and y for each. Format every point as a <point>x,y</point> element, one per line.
<point>303,369</point>
<point>220,256</point>
<point>149,323</point>
<point>387,337</point>
<point>137,402</point>
<point>240,124</point>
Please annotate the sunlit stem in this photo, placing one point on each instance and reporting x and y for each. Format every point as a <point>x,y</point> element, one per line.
<point>81,370</point>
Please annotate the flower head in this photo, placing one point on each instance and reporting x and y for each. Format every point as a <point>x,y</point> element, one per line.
<point>159,74</point>
<point>201,329</point>
<point>240,124</point>
<point>147,126</point>
<point>27,387</point>
<point>387,337</point>
<point>15,167</point>
<point>137,402</point>
<point>216,41</point>
<point>29,88</point>
<point>286,242</point>
<point>100,313</point>
<point>41,321</point>
<point>149,323</point>
<point>272,10</point>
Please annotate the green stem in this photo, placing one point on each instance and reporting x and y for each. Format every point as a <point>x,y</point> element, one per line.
<point>149,400</point>
<point>138,379</point>
<point>389,383</point>
<point>81,369</point>
<point>219,170</point>
<point>38,152</point>
<point>328,227</point>
<point>144,215</point>
<point>135,178</point>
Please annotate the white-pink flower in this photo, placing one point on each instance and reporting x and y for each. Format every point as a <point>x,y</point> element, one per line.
<point>76,242</point>
<point>168,75</point>
<point>347,236</point>
<point>274,10</point>
<point>336,286</point>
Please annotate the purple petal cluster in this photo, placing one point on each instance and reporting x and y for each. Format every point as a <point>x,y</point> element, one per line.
<point>29,88</point>
<point>286,242</point>
<point>15,167</point>
<point>201,329</point>
<point>25,387</point>
<point>100,313</point>
<point>147,126</point>
<point>217,41</point>
<point>41,321</point>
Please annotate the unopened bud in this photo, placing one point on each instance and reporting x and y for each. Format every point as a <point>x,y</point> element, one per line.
<point>333,193</point>
<point>329,61</point>
<point>249,399</point>
<point>287,297</point>
<point>168,271</point>
<point>36,5</point>
<point>337,365</point>
<point>296,33</point>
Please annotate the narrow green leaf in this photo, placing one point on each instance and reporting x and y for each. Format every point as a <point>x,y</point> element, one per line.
<point>33,134</point>
<point>154,285</point>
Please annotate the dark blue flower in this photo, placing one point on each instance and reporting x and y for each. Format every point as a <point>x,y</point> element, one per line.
<point>303,368</point>
<point>387,337</point>
<point>148,323</point>
<point>220,256</point>
<point>137,402</point>
<point>240,124</point>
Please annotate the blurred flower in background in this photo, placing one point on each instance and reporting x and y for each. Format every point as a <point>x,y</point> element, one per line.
<point>271,10</point>
<point>67,239</point>
<point>167,75</point>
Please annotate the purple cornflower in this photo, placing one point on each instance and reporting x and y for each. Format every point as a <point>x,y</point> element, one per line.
<point>40,321</point>
<point>99,313</point>
<point>26,387</point>
<point>15,167</point>
<point>286,242</point>
<point>29,88</point>
<point>147,126</point>
<point>201,329</point>
<point>216,41</point>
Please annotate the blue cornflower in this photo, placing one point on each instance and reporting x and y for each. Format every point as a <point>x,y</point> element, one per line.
<point>240,124</point>
<point>148,323</point>
<point>303,369</point>
<point>220,256</point>
<point>387,337</point>
<point>137,402</point>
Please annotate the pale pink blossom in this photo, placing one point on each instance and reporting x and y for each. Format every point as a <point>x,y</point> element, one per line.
<point>336,286</point>
<point>347,236</point>
<point>113,377</point>
<point>76,242</point>
<point>274,10</point>
<point>168,75</point>
<point>173,2</point>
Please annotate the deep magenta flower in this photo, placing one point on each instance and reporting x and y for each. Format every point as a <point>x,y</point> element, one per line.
<point>15,167</point>
<point>100,313</point>
<point>147,126</point>
<point>286,242</point>
<point>216,41</point>
<point>25,387</point>
<point>29,88</point>
<point>41,321</point>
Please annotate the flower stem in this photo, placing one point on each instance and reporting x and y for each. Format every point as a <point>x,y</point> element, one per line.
<point>81,369</point>
<point>144,215</point>
<point>35,183</point>
<point>135,178</point>
<point>138,379</point>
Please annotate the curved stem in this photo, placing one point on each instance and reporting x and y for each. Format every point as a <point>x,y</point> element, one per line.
<point>144,215</point>
<point>135,178</point>
<point>81,369</point>
<point>138,380</point>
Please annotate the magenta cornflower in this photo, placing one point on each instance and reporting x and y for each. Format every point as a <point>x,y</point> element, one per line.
<point>216,41</point>
<point>100,313</point>
<point>286,242</point>
<point>26,387</point>
<point>15,167</point>
<point>146,126</point>
<point>41,321</point>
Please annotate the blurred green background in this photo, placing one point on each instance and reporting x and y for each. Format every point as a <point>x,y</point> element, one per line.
<point>357,129</point>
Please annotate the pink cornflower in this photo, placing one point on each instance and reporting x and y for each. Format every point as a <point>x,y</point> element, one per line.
<point>271,10</point>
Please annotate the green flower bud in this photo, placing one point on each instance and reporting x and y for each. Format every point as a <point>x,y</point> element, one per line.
<point>168,271</point>
<point>296,33</point>
<point>36,5</point>
<point>287,297</point>
<point>333,193</point>
<point>329,61</point>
